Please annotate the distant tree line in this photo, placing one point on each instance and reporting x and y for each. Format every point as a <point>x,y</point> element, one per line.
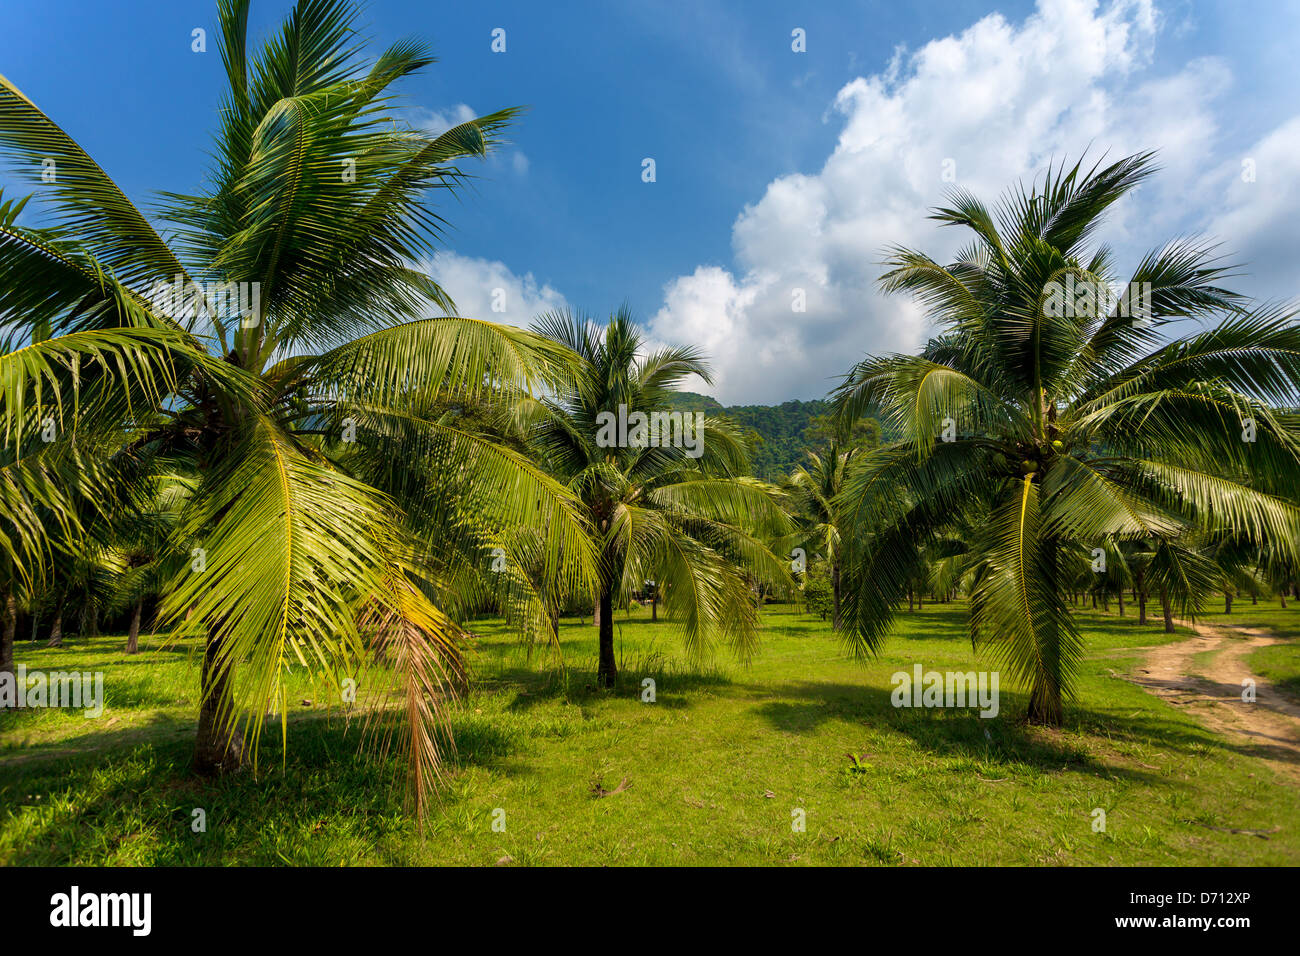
<point>780,436</point>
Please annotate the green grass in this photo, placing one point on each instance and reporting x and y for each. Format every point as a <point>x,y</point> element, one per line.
<point>715,765</point>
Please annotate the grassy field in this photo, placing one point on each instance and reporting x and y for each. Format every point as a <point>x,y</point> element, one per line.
<point>715,769</point>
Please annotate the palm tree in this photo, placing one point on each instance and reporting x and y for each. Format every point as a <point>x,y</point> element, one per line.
<point>319,202</point>
<point>688,518</point>
<point>63,398</point>
<point>813,487</point>
<point>143,542</point>
<point>1064,417</point>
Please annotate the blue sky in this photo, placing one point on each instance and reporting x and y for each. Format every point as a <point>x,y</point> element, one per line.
<point>775,170</point>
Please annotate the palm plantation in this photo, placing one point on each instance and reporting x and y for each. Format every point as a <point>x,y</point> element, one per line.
<point>246,415</point>
<point>1056,431</point>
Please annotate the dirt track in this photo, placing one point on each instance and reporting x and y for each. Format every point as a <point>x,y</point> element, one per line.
<point>1212,691</point>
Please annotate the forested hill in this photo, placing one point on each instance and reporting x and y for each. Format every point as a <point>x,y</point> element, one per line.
<point>780,429</point>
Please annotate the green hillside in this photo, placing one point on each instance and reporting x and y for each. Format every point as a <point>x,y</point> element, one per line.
<point>778,443</point>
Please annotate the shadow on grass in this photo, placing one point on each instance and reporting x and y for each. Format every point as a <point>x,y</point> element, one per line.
<point>100,736</point>
<point>1265,745</point>
<point>1289,686</point>
<point>111,653</point>
<point>1001,740</point>
<point>577,685</point>
<point>131,803</point>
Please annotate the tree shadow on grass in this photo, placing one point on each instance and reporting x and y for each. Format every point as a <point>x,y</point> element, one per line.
<point>128,802</point>
<point>577,685</point>
<point>949,733</point>
<point>934,620</point>
<point>1264,745</point>
<point>109,652</point>
<point>99,736</point>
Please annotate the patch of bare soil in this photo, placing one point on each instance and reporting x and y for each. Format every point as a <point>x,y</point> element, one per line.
<point>1211,689</point>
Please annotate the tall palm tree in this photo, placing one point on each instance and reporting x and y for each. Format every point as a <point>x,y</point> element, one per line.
<point>695,524</point>
<point>319,202</point>
<point>1067,423</point>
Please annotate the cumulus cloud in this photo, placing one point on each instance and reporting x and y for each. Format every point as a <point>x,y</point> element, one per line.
<point>488,289</point>
<point>981,109</point>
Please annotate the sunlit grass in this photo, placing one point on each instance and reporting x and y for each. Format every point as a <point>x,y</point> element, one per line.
<point>715,767</point>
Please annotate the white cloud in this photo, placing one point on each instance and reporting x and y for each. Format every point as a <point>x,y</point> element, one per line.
<point>488,289</point>
<point>1000,101</point>
<point>437,122</point>
<point>1260,200</point>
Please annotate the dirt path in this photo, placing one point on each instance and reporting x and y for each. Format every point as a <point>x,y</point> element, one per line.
<point>1211,690</point>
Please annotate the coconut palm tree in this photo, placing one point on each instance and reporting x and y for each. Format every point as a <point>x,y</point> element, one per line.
<point>297,326</point>
<point>680,512</point>
<point>813,487</point>
<point>1067,416</point>
<point>143,541</point>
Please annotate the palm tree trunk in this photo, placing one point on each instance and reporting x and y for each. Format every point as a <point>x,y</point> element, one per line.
<point>133,635</point>
<point>7,636</point>
<point>1045,698</point>
<point>56,629</point>
<point>1141,592</point>
<point>1120,596</point>
<point>654,608</point>
<point>837,620</point>
<point>218,749</point>
<point>1167,611</point>
<point>1227,602</point>
<point>607,672</point>
<point>595,614</point>
<point>911,603</point>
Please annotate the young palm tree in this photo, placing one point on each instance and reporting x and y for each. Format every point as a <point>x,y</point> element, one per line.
<point>813,488</point>
<point>143,540</point>
<point>1065,418</point>
<point>320,200</point>
<point>694,524</point>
